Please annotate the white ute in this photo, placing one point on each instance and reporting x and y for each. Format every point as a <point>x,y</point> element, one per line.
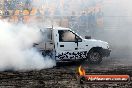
<point>63,44</point>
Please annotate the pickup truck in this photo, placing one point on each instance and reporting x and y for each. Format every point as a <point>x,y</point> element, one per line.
<point>63,44</point>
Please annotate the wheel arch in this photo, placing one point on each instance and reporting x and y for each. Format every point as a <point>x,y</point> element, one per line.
<point>95,48</point>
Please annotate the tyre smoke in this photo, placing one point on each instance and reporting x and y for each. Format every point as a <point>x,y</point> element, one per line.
<point>16,51</point>
<point>117,28</point>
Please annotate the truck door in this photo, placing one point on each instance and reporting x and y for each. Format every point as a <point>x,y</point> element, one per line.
<point>66,44</point>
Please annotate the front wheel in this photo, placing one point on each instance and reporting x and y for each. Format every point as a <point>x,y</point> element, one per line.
<point>95,57</point>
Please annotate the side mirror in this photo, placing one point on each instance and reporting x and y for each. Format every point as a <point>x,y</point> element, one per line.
<point>76,40</point>
<point>87,37</point>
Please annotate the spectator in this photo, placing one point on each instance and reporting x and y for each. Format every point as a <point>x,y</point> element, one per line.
<point>92,23</point>
<point>6,13</point>
<point>83,19</point>
<point>99,19</point>
<point>38,14</point>
<point>73,22</point>
<point>20,17</point>
<point>83,23</point>
<point>47,13</point>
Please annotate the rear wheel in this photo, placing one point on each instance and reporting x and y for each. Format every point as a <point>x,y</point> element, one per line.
<point>47,53</point>
<point>94,57</point>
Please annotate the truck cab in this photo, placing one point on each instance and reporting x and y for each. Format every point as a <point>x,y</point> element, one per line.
<point>66,45</point>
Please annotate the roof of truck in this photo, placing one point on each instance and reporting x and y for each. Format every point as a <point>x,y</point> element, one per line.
<point>57,28</point>
<point>61,28</point>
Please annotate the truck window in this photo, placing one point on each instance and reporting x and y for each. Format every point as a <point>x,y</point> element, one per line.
<point>78,39</point>
<point>66,36</point>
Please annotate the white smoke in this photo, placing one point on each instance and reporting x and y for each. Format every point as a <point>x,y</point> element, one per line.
<point>16,51</point>
<point>117,16</point>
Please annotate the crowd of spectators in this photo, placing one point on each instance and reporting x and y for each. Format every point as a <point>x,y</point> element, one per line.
<point>87,22</point>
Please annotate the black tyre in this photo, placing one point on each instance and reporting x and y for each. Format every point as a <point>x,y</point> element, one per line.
<point>47,53</point>
<point>95,56</point>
